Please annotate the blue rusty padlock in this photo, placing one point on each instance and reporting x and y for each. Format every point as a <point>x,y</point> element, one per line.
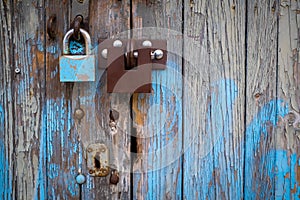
<point>77,68</point>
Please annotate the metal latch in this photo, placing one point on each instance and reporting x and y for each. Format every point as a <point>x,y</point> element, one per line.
<point>130,63</point>
<point>98,160</point>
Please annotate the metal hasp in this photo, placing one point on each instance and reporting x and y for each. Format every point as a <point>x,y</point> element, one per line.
<point>98,160</point>
<point>77,68</point>
<point>130,64</point>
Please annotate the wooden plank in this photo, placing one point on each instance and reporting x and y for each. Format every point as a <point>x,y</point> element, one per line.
<point>157,117</point>
<point>62,143</point>
<point>106,20</point>
<point>263,108</point>
<point>288,136</point>
<point>6,102</point>
<point>22,100</point>
<point>214,90</point>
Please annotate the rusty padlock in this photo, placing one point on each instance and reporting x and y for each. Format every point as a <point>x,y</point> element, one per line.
<point>77,68</point>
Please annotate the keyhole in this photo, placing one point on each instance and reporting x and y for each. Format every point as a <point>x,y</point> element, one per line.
<point>97,162</point>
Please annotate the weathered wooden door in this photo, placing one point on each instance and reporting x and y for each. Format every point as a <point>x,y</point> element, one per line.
<point>222,121</point>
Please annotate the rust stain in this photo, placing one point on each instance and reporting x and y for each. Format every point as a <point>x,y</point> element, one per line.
<point>73,67</point>
<point>298,174</point>
<point>235,175</point>
<point>83,77</point>
<point>287,175</point>
<point>139,115</point>
<point>293,191</point>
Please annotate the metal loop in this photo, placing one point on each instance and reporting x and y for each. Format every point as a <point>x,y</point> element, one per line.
<point>77,22</point>
<point>87,39</point>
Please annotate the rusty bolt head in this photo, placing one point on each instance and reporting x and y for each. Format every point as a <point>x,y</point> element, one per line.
<point>114,178</point>
<point>89,150</point>
<point>79,113</point>
<point>91,171</point>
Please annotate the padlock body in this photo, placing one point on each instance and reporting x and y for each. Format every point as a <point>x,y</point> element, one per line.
<point>77,68</point>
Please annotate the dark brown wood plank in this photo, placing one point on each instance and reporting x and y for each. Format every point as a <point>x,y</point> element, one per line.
<point>106,20</point>
<point>22,100</point>
<point>157,117</point>
<point>62,143</point>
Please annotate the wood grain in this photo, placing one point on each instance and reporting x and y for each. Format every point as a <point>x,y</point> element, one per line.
<point>106,20</point>
<point>22,100</point>
<point>157,117</point>
<point>222,121</point>
<point>288,135</point>
<point>214,92</point>
<point>62,143</point>
<point>263,107</point>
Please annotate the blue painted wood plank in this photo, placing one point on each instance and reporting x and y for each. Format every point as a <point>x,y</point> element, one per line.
<point>158,119</point>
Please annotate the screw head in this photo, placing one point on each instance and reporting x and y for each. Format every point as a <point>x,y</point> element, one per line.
<point>17,70</point>
<point>117,43</point>
<point>79,113</point>
<point>147,43</point>
<point>157,54</point>
<point>80,179</point>
<point>135,54</point>
<point>104,53</point>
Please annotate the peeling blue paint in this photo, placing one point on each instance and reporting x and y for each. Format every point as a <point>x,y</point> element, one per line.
<point>73,186</point>
<point>257,130</point>
<point>213,177</point>
<point>53,170</point>
<point>164,121</point>
<point>5,171</point>
<point>41,190</point>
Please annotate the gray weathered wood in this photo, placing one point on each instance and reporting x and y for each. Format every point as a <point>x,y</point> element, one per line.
<point>214,92</point>
<point>263,107</point>
<point>157,117</point>
<point>288,136</point>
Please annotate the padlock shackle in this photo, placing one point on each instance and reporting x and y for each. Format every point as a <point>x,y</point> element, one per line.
<point>87,39</point>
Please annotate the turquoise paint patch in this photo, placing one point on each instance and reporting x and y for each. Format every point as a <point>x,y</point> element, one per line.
<point>256,130</point>
<point>201,184</point>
